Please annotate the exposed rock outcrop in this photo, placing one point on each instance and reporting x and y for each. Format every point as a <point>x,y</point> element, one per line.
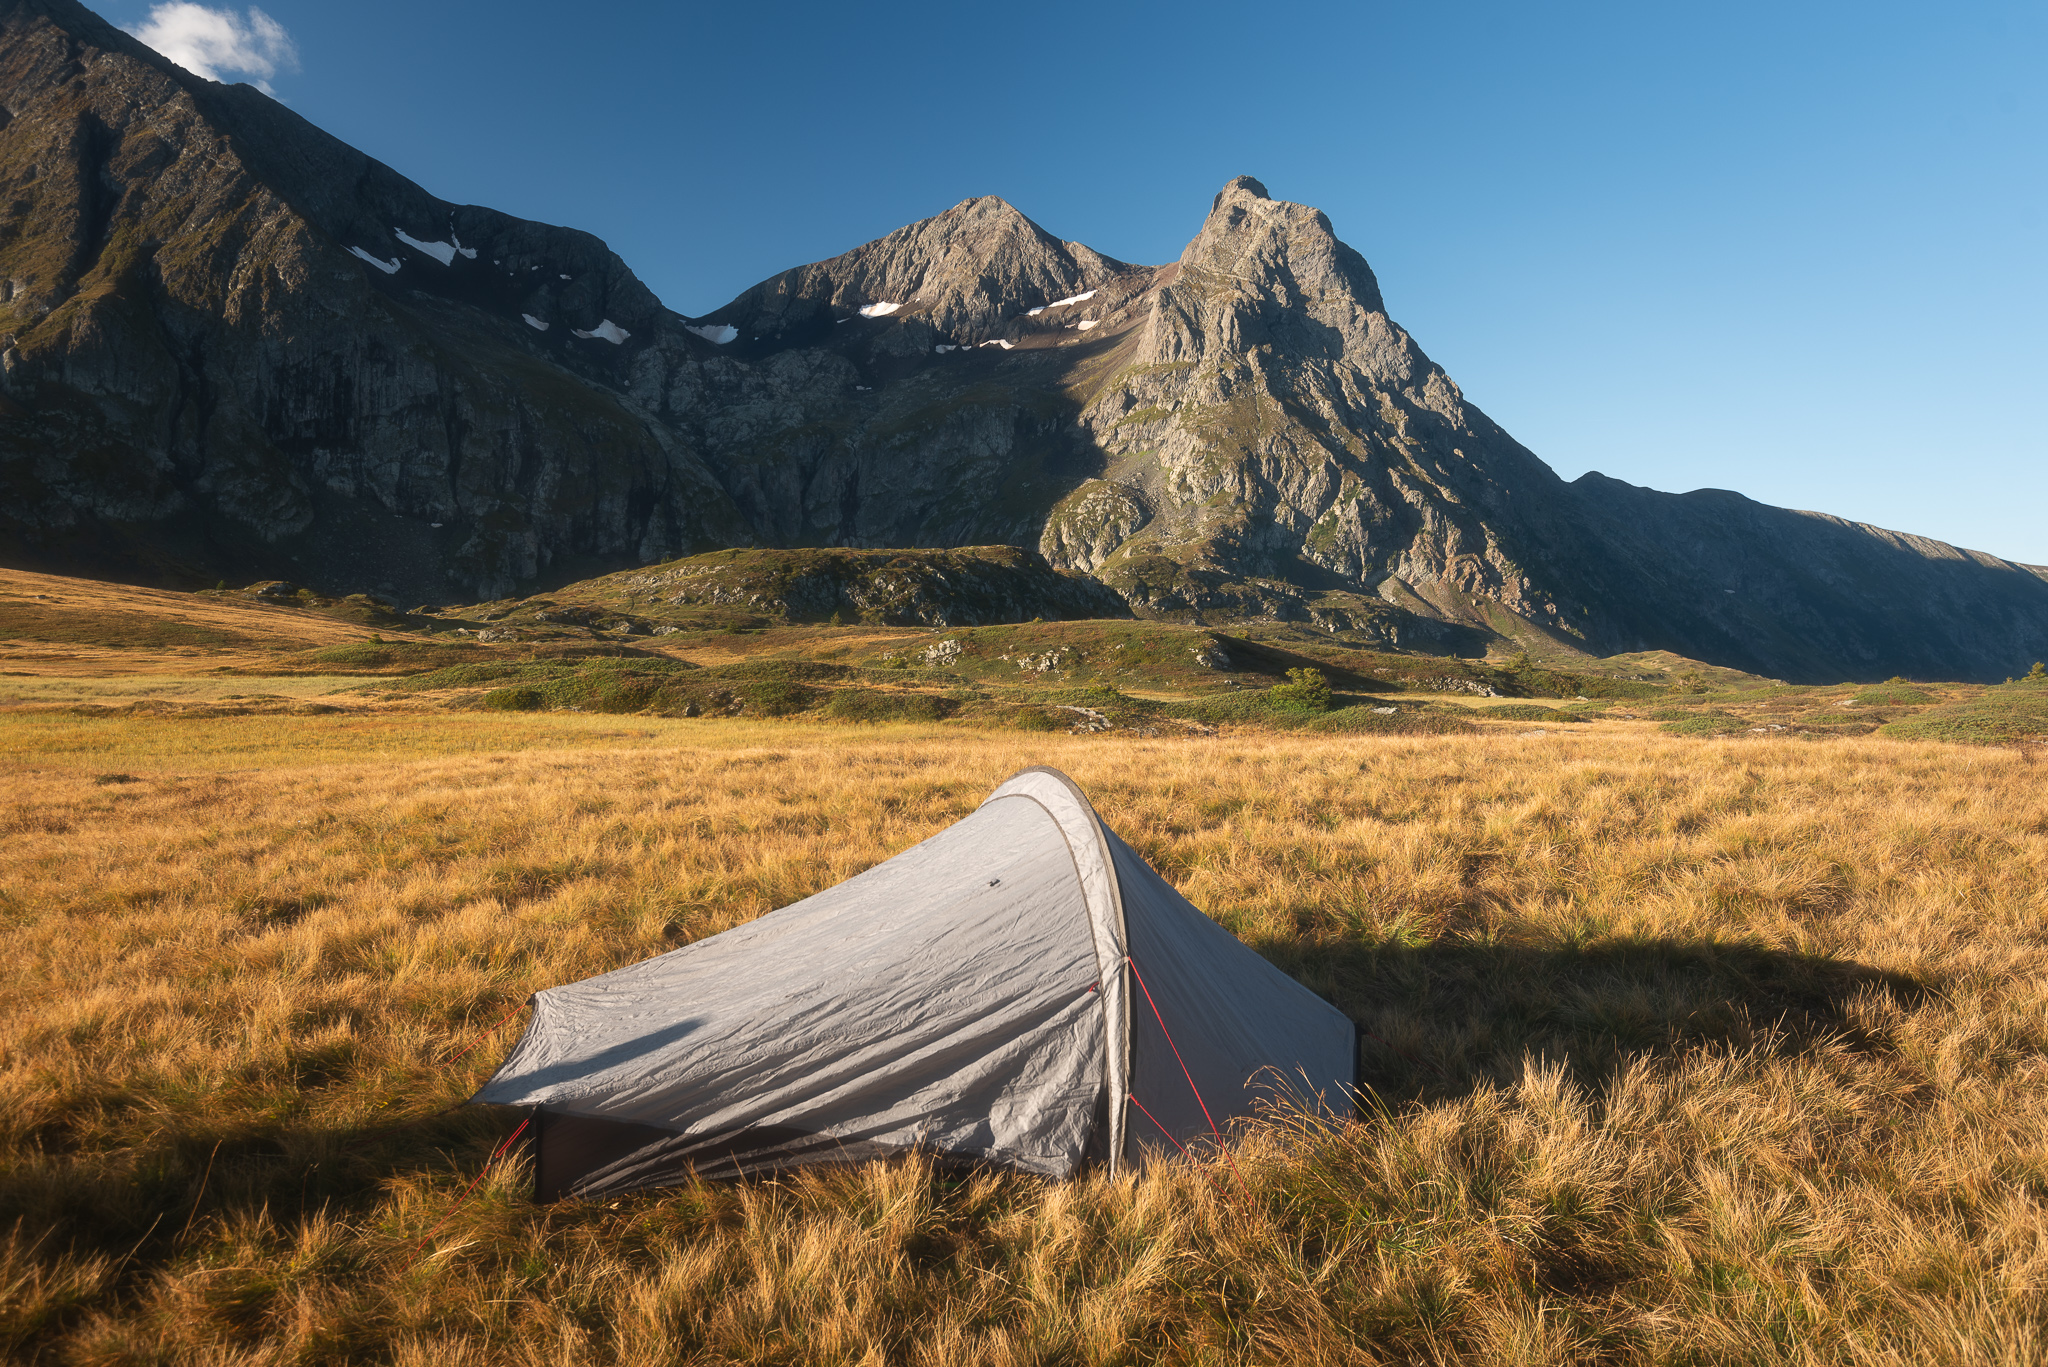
<point>969,586</point>
<point>965,273</point>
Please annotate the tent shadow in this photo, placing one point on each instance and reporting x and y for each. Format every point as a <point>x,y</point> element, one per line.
<point>1438,1019</point>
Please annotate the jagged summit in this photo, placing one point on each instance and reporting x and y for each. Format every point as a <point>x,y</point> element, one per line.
<point>1267,273</point>
<point>233,346</point>
<point>965,272</point>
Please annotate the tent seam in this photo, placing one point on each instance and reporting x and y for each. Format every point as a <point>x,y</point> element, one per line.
<point>1123,927</point>
<point>1102,972</point>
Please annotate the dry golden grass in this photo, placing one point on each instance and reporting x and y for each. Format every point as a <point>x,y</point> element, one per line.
<point>109,622</point>
<point>1680,1051</point>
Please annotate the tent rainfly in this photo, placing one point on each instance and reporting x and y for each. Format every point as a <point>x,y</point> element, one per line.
<point>1021,990</point>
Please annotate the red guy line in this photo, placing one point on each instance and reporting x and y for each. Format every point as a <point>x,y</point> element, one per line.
<point>509,1140</point>
<point>1227,1155</point>
<point>484,1036</point>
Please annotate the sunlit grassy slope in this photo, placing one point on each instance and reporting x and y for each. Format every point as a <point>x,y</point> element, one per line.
<point>1679,1049</point>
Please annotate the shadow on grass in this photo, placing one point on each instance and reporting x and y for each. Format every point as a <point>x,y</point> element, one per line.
<point>142,1199</point>
<point>1439,1018</point>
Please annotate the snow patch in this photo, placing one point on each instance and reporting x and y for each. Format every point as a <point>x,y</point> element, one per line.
<point>1071,299</point>
<point>388,267</point>
<point>536,324</point>
<point>716,333</point>
<point>565,277</point>
<point>443,252</point>
<point>1033,313</point>
<point>606,331</point>
<point>1007,346</point>
<point>878,310</point>
<point>1087,323</point>
<point>942,350</point>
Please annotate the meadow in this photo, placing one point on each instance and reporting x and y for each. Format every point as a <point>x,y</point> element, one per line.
<point>1678,1049</point>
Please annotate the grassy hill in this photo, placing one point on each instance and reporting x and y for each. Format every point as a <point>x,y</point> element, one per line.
<point>615,646</point>
<point>1701,1015</point>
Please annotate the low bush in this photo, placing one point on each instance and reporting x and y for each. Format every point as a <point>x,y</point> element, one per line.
<point>781,671</point>
<point>1705,724</point>
<point>2009,714</point>
<point>774,698</point>
<point>1257,705</point>
<point>1403,721</point>
<point>1893,693</point>
<point>384,657</point>
<point>874,705</point>
<point>1306,688</point>
<point>515,700</point>
<point>1528,711</point>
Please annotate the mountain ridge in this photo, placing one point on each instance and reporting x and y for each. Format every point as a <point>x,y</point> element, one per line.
<point>232,345</point>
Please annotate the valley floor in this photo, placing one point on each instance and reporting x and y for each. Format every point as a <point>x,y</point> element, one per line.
<point>1678,1049</point>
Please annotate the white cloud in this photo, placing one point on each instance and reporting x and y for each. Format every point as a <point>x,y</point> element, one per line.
<point>219,44</point>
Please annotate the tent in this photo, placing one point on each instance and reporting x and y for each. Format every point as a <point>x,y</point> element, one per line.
<point>1021,990</point>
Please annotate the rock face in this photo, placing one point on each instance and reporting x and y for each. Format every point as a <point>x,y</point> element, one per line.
<point>965,273</point>
<point>969,586</point>
<point>231,346</point>
<point>1269,422</point>
<point>231,343</point>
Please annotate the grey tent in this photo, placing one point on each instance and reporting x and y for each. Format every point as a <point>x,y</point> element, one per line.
<point>1021,989</point>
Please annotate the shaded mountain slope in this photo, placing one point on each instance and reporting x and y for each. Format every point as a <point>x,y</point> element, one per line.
<point>1805,595</point>
<point>219,352</point>
<point>230,345</point>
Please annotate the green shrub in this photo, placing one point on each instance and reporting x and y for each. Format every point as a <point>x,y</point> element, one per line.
<point>1554,683</point>
<point>1893,692</point>
<point>515,700</point>
<point>476,675</point>
<point>780,671</point>
<point>775,698</point>
<point>1366,721</point>
<point>1705,724</point>
<point>872,705</point>
<point>1305,687</point>
<point>1528,711</point>
<point>2008,714</point>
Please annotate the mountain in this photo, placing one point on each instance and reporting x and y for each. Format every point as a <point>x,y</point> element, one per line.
<point>232,346</point>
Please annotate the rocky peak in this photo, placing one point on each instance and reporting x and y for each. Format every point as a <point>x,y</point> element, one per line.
<point>1274,426</point>
<point>965,272</point>
<point>1264,272</point>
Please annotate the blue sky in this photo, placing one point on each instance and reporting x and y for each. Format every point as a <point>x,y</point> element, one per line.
<point>1790,249</point>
